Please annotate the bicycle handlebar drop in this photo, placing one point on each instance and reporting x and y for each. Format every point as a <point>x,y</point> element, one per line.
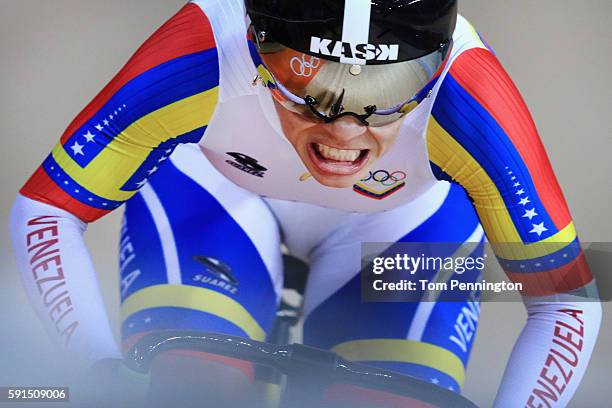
<point>294,360</point>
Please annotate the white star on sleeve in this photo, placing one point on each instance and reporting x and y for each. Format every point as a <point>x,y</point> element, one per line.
<point>517,184</point>
<point>538,228</point>
<point>520,192</point>
<point>530,213</point>
<point>106,122</point>
<point>153,170</point>
<point>141,183</point>
<point>524,201</point>
<point>99,127</point>
<point>89,136</point>
<point>77,149</point>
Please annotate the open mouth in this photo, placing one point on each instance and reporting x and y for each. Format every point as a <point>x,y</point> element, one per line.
<point>337,161</point>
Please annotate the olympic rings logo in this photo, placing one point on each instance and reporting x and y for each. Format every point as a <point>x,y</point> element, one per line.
<point>385,178</point>
<point>304,66</point>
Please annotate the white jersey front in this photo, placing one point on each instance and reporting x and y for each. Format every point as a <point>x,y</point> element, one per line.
<point>245,128</point>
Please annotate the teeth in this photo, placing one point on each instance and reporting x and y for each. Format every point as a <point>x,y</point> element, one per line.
<point>332,153</point>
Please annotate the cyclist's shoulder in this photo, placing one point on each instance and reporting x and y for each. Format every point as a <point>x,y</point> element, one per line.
<point>187,32</point>
<point>223,15</point>
<point>217,19</point>
<point>227,23</point>
<point>475,76</point>
<point>465,37</point>
<point>469,50</point>
<point>477,99</point>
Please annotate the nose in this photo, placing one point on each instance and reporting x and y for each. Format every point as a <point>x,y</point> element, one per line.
<point>346,128</point>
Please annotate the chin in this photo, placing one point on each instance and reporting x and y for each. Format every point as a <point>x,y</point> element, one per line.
<point>336,181</point>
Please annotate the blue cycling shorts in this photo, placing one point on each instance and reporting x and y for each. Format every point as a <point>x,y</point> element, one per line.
<point>200,253</point>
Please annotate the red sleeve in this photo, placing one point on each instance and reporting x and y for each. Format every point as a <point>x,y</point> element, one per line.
<point>483,137</point>
<point>125,133</point>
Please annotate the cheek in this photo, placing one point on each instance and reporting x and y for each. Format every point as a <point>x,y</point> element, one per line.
<point>293,125</point>
<point>386,135</point>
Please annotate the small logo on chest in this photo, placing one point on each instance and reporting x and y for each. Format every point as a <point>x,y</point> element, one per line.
<point>381,184</point>
<point>247,164</point>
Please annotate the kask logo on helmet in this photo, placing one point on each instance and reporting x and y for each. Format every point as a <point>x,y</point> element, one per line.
<point>368,52</point>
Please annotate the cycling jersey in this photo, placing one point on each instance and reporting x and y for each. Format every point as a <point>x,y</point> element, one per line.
<point>473,129</point>
<point>191,82</point>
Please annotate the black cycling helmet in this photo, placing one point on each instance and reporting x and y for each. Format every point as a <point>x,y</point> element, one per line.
<point>409,28</point>
<point>382,52</point>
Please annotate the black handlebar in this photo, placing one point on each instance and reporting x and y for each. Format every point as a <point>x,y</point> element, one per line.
<point>295,360</point>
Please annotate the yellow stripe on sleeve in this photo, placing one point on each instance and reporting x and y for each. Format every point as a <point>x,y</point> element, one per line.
<point>452,158</point>
<point>113,166</point>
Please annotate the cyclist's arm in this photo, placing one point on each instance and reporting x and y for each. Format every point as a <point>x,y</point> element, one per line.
<point>163,96</point>
<point>482,136</point>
